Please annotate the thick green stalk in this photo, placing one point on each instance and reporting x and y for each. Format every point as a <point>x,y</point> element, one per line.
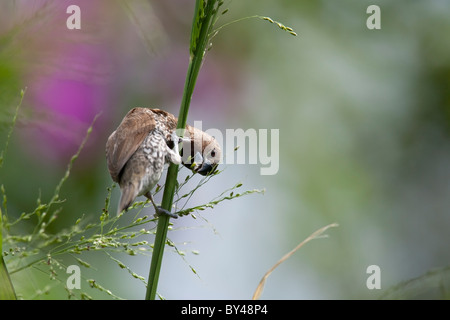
<point>201,27</point>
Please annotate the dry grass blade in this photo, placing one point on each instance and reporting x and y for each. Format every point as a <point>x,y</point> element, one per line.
<point>313,236</point>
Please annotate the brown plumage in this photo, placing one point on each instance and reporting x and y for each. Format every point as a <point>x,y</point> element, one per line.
<point>137,150</point>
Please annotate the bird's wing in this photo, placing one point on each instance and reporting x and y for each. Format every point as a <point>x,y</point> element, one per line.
<point>166,121</point>
<point>127,138</point>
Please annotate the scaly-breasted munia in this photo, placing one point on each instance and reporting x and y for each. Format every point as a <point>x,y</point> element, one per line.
<point>138,149</point>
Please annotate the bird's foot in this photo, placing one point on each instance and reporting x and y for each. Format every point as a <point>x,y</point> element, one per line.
<point>161,211</point>
<point>176,139</point>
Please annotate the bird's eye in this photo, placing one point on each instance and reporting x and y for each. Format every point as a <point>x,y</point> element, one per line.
<point>213,153</point>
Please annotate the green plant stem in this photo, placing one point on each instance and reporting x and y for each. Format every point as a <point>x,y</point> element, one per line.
<point>203,25</point>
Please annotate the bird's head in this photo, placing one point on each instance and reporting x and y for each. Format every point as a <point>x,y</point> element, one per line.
<point>201,153</point>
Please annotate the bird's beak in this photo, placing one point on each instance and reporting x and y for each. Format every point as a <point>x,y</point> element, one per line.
<point>206,168</point>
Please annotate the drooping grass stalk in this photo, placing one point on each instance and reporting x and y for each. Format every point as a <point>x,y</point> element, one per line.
<point>204,18</point>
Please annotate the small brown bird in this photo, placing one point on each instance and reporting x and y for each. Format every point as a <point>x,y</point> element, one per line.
<point>138,149</point>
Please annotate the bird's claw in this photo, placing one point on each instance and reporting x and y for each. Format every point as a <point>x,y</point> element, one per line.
<point>161,211</point>
<point>176,139</point>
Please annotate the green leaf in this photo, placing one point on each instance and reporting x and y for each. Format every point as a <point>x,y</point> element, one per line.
<point>434,285</point>
<point>6,287</point>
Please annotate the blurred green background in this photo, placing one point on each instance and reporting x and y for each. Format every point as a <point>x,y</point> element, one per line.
<point>363,117</point>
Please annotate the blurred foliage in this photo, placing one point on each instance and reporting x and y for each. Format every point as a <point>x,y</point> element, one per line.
<point>435,284</point>
<point>364,119</point>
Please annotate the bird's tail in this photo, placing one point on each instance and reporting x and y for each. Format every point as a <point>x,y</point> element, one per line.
<point>129,193</point>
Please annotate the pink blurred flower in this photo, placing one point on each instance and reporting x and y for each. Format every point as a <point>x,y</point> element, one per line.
<point>67,83</point>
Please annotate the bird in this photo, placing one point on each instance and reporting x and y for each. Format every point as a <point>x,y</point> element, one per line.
<point>143,142</point>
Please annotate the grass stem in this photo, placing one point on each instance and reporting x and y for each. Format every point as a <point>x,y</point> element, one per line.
<point>205,12</point>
